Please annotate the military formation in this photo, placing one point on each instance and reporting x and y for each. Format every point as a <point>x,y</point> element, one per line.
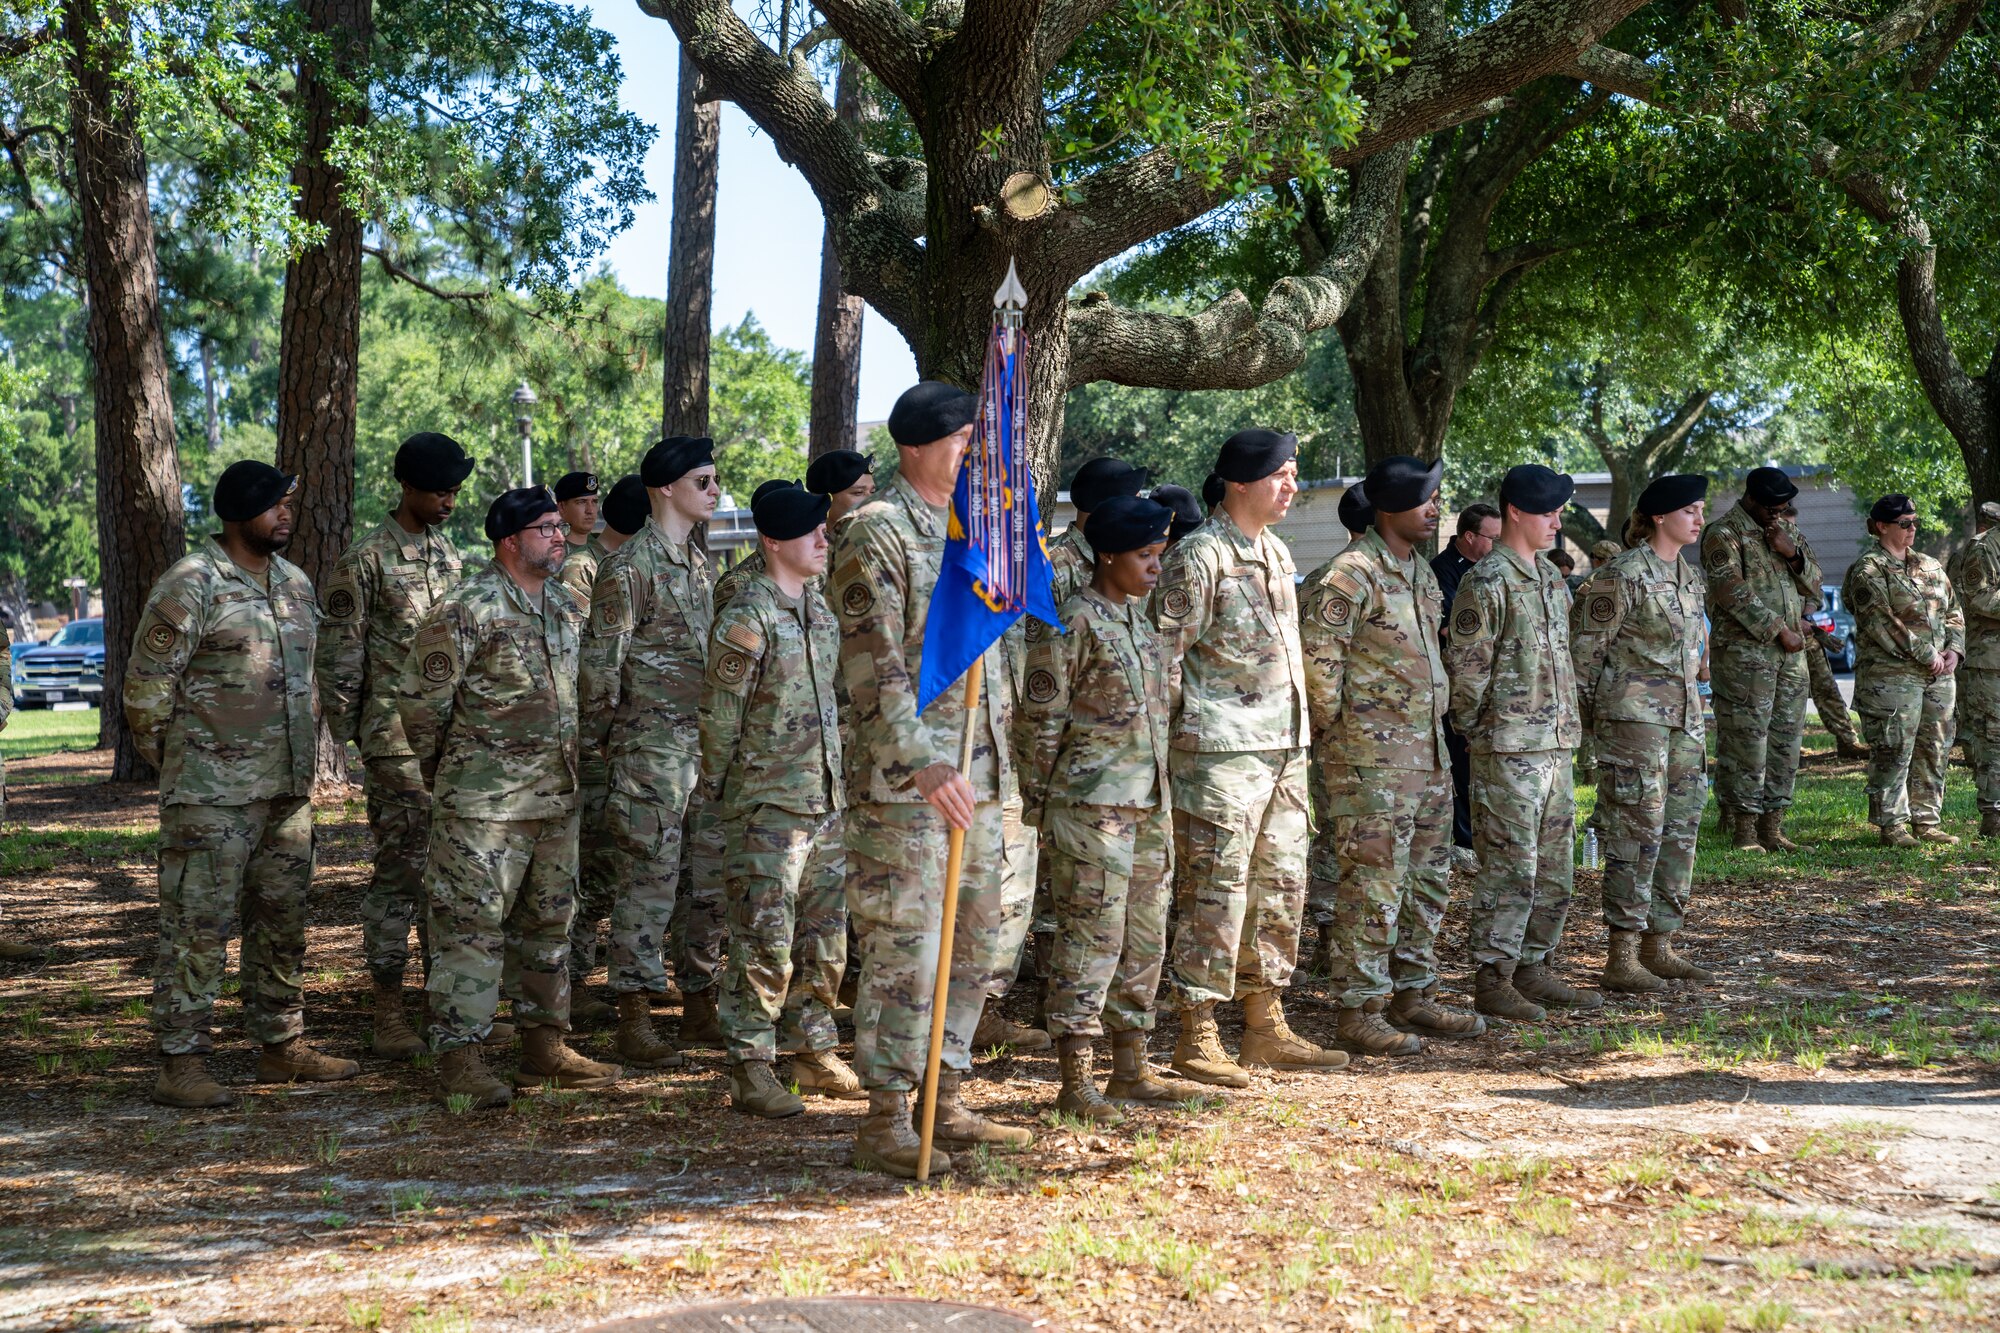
<point>587,730</point>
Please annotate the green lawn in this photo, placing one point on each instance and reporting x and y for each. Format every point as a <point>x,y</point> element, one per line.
<point>46,731</point>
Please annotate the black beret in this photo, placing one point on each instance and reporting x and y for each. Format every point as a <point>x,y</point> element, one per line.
<point>787,511</point>
<point>432,462</point>
<point>930,410</point>
<point>1356,514</point>
<point>1102,478</point>
<point>1212,491</point>
<point>1400,483</point>
<point>1126,523</point>
<point>1885,510</point>
<point>516,509</point>
<point>1188,513</point>
<point>247,489</point>
<point>1666,494</point>
<point>1254,454</point>
<point>837,470</point>
<point>1534,489</point>
<point>1769,486</point>
<point>765,488</point>
<point>674,457</point>
<point>576,485</point>
<point>626,508</point>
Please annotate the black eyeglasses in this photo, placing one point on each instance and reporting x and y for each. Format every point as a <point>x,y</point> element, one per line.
<point>549,531</point>
<point>1907,524</point>
<point>702,483</point>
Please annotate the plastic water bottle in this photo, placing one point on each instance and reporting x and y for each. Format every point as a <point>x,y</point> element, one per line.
<point>1589,859</point>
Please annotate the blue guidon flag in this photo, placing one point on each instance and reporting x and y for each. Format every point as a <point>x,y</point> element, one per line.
<point>995,564</point>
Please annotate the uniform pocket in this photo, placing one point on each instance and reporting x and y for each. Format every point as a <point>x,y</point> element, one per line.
<point>635,824</point>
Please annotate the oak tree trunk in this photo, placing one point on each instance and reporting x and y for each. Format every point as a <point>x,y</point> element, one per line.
<point>140,524</point>
<point>319,340</point>
<point>836,374</point>
<point>690,259</point>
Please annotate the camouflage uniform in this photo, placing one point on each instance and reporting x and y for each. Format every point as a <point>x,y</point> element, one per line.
<point>1760,689</point>
<point>1636,636</point>
<point>1378,690</point>
<point>643,661</point>
<point>489,705</point>
<point>770,758</point>
<point>1098,777</point>
<point>219,695</point>
<point>1513,698</point>
<point>579,570</point>
<point>1975,574</point>
<point>1228,615</point>
<point>382,587</point>
<point>1904,616</point>
<point>1323,857</point>
<point>601,868</point>
<point>886,559</point>
<point>1071,562</point>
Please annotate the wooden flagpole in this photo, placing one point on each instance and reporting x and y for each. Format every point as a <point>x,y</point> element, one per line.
<point>947,925</point>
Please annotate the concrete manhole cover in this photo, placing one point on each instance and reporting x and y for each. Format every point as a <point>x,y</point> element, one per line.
<point>828,1314</point>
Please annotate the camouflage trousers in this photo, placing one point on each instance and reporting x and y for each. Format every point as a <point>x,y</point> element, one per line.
<point>1110,872</point>
<point>1524,825</point>
<point>1907,718</point>
<point>1393,828</point>
<point>399,815</point>
<point>221,864</point>
<point>1979,728</point>
<point>501,895</point>
<point>601,868</point>
<point>701,917</point>
<point>1760,711</point>
<point>896,858</point>
<point>1832,709</point>
<point>1240,837</point>
<point>787,909</point>
<point>1322,860</point>
<point>1650,792</point>
<point>669,848</point>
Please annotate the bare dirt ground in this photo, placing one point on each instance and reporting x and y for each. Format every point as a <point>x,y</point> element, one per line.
<point>1813,1141</point>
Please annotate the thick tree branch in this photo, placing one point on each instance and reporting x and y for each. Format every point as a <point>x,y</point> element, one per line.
<point>1063,21</point>
<point>1673,432</point>
<point>885,39</point>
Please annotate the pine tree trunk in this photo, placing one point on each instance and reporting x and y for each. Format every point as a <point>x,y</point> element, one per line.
<point>836,377</point>
<point>140,524</point>
<point>319,340</point>
<point>690,260</point>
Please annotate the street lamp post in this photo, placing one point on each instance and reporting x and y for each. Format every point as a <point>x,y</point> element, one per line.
<point>524,402</point>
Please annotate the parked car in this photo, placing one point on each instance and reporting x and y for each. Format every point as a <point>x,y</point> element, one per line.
<point>69,668</point>
<point>1837,620</point>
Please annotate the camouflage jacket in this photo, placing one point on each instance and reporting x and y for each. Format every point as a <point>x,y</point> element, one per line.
<point>643,661</point>
<point>381,589</point>
<point>1751,592</point>
<point>1975,574</point>
<point>489,699</point>
<point>219,692</point>
<point>733,578</point>
<point>1513,683</point>
<point>1097,701</point>
<point>1229,622</point>
<point>770,727</point>
<point>1904,614</point>
<point>1373,672</point>
<point>1635,631</point>
<point>885,562</point>
<point>1070,561</point>
<point>579,570</point>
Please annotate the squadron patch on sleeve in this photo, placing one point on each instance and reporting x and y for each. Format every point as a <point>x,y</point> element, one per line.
<point>161,638</point>
<point>341,603</point>
<point>1466,622</point>
<point>611,611</point>
<point>732,667</point>
<point>437,667</point>
<point>857,599</point>
<point>1335,612</point>
<point>1176,603</point>
<point>1042,686</point>
<point>1719,560</point>
<point>1603,608</point>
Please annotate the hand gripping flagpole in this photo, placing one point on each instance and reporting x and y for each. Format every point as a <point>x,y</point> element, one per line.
<point>1002,398</point>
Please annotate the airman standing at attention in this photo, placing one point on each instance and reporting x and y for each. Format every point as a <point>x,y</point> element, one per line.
<point>1187,511</point>
<point>1323,862</point>
<point>1096,481</point>
<point>577,500</point>
<point>846,477</point>
<point>752,562</point>
<point>382,588</point>
<point>1975,573</point>
<point>219,696</point>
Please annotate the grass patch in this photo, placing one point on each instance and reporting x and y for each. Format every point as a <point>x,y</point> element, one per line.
<point>37,851</point>
<point>40,731</point>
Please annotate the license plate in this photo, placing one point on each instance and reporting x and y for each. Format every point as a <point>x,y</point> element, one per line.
<point>75,706</point>
<point>54,696</point>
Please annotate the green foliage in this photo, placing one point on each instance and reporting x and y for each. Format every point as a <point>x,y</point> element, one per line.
<point>760,405</point>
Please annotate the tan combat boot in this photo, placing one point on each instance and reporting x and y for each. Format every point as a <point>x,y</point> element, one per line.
<point>394,1039</point>
<point>587,1010</point>
<point>885,1141</point>
<point>1198,1054</point>
<point>1268,1039</point>
<point>1539,982</point>
<point>1656,955</point>
<point>1494,992</point>
<point>824,1074</point>
<point>996,1029</point>
<point>1743,833</point>
<point>754,1087</point>
<point>1079,1095</point>
<point>294,1061</point>
<point>960,1126</point>
<point>1418,1011</point>
<point>1989,824</point>
<point>1932,833</point>
<point>184,1082</point>
<point>1623,971</point>
<point>1849,748</point>
<point>500,1036</point>
<point>1771,832</point>
<point>701,1027</point>
<point>546,1058</point>
<point>1898,835</point>
<point>1363,1031</point>
<point>1132,1079</point>
<point>637,1043</point>
<point>462,1073</point>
